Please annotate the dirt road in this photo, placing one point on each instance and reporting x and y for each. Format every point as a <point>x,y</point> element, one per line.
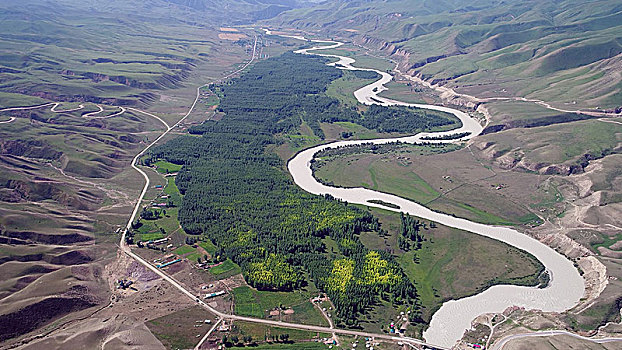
<point>126,249</point>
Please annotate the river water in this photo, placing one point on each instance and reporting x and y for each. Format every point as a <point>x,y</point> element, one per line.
<point>454,317</point>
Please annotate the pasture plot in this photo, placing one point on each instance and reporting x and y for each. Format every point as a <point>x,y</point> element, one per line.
<point>164,167</point>
<point>256,303</point>
<point>408,92</point>
<point>344,87</point>
<point>179,329</point>
<point>451,182</point>
<point>451,264</point>
<point>226,269</point>
<point>535,149</point>
<point>262,333</point>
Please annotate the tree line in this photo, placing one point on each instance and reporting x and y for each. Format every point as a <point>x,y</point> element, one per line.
<point>237,193</point>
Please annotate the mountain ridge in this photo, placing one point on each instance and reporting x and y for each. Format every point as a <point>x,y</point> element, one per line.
<point>459,45</point>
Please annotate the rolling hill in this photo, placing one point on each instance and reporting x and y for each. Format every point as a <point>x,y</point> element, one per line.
<point>66,183</point>
<point>489,48</point>
<point>115,52</point>
<point>542,72</point>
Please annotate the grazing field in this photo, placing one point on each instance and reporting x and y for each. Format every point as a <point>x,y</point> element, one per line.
<point>350,130</point>
<point>378,176</point>
<point>183,250</point>
<point>228,267</point>
<point>66,182</point>
<point>246,304</point>
<point>149,233</point>
<point>153,53</point>
<point>296,141</point>
<point>166,167</point>
<point>407,92</point>
<point>451,263</point>
<point>507,111</point>
<point>554,149</point>
<point>261,333</point>
<point>165,222</point>
<point>208,246</point>
<point>179,329</point>
<point>604,312</point>
<point>344,87</point>
<point>255,303</point>
<point>413,172</point>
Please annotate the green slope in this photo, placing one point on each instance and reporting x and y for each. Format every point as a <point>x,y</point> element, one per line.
<point>487,46</point>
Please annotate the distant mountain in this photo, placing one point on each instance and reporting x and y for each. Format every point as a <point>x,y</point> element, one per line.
<point>241,11</point>
<point>489,43</point>
<point>114,51</point>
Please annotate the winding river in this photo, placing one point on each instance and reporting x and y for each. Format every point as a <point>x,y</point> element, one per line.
<point>454,317</point>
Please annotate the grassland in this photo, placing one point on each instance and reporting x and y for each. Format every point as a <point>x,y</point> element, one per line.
<point>228,267</point>
<point>536,149</point>
<point>177,330</point>
<point>167,223</point>
<point>164,167</point>
<point>606,242</point>
<point>343,88</point>
<point>261,333</point>
<point>71,55</point>
<point>208,246</point>
<point>451,263</point>
<point>255,303</point>
<point>246,303</point>
<point>95,72</point>
<point>406,92</point>
<point>405,172</point>
<point>604,312</point>
<point>334,131</point>
<point>503,112</point>
<point>513,49</point>
<point>65,181</point>
<point>296,141</point>
<point>183,250</point>
<point>410,185</point>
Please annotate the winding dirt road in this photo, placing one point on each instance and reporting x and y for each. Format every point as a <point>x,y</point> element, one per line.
<point>91,115</point>
<point>126,249</point>
<point>223,316</point>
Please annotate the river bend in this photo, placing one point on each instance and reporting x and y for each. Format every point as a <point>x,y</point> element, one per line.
<point>449,323</point>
